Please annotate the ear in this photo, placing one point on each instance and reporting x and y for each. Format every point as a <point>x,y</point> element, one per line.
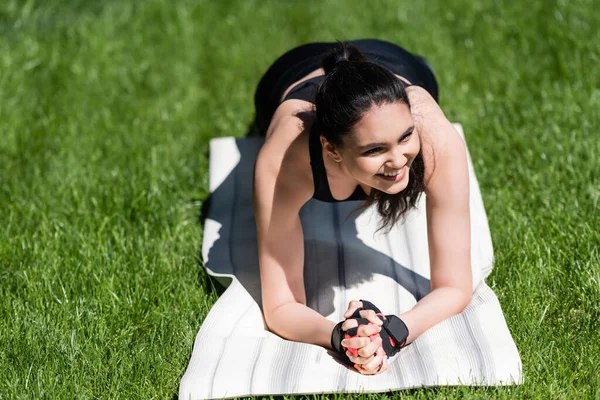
<point>331,150</point>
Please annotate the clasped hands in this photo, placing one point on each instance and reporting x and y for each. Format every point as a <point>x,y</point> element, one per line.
<point>368,338</point>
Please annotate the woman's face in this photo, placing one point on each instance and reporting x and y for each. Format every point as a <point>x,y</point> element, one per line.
<point>381,148</point>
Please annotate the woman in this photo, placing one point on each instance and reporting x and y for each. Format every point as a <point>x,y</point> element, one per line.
<point>357,121</point>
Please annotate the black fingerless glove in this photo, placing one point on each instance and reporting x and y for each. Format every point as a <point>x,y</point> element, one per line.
<point>338,334</point>
<point>393,331</point>
<point>393,334</point>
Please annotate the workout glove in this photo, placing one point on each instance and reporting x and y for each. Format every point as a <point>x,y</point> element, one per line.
<point>339,334</point>
<point>393,333</point>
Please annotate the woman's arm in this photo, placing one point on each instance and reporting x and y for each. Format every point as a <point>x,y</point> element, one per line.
<point>280,190</point>
<point>448,223</point>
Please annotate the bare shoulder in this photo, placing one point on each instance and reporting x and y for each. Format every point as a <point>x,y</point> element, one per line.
<point>444,150</point>
<point>282,170</point>
<point>291,118</point>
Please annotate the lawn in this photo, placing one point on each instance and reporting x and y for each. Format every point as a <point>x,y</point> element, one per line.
<point>106,111</point>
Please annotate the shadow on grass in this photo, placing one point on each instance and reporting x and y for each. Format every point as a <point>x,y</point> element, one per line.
<point>208,283</point>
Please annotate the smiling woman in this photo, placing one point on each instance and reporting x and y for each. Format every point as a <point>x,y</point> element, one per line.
<point>357,121</point>
<point>381,150</point>
<point>303,79</point>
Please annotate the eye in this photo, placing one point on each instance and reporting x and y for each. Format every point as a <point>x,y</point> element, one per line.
<point>372,151</point>
<point>406,137</point>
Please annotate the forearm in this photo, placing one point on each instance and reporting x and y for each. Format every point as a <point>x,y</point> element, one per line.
<point>297,322</point>
<point>440,304</point>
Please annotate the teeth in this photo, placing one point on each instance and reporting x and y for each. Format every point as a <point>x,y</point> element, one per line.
<point>392,173</point>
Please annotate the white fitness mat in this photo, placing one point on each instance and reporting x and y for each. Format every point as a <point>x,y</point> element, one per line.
<point>234,355</point>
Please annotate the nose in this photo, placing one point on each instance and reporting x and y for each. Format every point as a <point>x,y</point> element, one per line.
<point>397,158</point>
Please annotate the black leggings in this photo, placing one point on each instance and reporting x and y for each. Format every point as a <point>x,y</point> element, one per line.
<point>302,60</point>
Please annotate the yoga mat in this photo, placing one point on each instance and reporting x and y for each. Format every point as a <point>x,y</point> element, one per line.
<point>234,354</point>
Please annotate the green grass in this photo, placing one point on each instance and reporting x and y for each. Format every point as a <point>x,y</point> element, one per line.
<point>106,112</point>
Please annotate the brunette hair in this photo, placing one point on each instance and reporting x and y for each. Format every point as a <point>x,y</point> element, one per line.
<point>352,86</point>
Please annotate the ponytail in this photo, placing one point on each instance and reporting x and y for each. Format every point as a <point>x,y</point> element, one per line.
<point>344,52</point>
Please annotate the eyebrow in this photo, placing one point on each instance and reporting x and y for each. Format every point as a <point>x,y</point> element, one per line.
<point>371,145</point>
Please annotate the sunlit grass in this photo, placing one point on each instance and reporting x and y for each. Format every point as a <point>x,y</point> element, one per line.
<point>107,109</point>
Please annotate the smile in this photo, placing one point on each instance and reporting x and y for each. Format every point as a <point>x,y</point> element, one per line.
<point>394,176</point>
<point>392,173</point>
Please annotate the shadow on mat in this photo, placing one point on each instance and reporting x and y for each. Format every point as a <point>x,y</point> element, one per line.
<point>235,252</point>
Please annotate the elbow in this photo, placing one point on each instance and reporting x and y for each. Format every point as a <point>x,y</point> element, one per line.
<point>464,294</point>
<point>282,319</point>
<point>457,299</point>
<point>270,321</point>
<point>464,299</point>
<point>272,318</point>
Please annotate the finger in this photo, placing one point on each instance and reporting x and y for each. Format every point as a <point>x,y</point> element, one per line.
<point>373,364</point>
<point>361,368</point>
<point>368,330</point>
<point>370,306</point>
<point>349,323</point>
<point>370,349</point>
<point>384,365</point>
<point>357,360</point>
<point>356,342</point>
<point>352,306</point>
<point>371,316</point>
<point>377,370</point>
